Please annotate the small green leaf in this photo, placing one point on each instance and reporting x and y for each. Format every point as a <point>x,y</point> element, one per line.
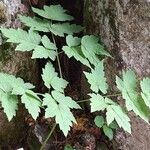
<point>42,52</point>
<point>97,79</point>
<point>73,41</point>
<point>47,43</point>
<point>53,12</point>
<point>99,121</point>
<point>68,147</point>
<point>113,125</point>
<point>108,132</point>
<point>51,79</point>
<point>32,103</point>
<point>97,102</point>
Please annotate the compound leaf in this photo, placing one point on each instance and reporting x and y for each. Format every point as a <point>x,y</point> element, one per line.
<point>53,12</point>
<point>97,78</point>
<point>115,112</point>
<point>32,103</point>
<point>58,106</point>
<point>50,78</point>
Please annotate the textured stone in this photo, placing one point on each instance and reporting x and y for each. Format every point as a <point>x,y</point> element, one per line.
<point>124,28</point>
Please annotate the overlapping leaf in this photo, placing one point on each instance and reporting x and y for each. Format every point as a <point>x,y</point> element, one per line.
<point>65,28</point>
<point>9,103</point>
<point>45,51</point>
<point>53,12</point>
<point>73,50</point>
<point>58,106</point>
<point>133,101</point>
<point>51,79</point>
<point>114,111</point>
<point>26,41</point>
<point>97,79</point>
<point>145,86</point>
<point>36,23</point>
<point>91,48</point>
<point>32,103</point>
<point>13,85</point>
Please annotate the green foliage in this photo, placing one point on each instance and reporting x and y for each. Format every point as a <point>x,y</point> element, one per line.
<point>108,132</point>
<point>97,79</point>
<point>133,101</point>
<point>51,79</point>
<point>53,12</point>
<point>68,147</point>
<point>145,86</point>
<point>10,87</point>
<point>26,41</point>
<point>89,52</point>
<point>58,106</point>
<point>99,121</point>
<point>114,111</point>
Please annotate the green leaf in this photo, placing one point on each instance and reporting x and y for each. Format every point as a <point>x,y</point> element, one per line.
<point>133,102</point>
<point>113,125</point>
<point>73,41</point>
<point>48,51</point>
<point>58,106</point>
<point>99,121</point>
<point>115,112</point>
<point>97,78</point>
<point>68,147</point>
<point>35,23</point>
<point>27,40</point>
<point>97,102</point>
<point>145,86</point>
<point>108,132</point>
<point>42,52</point>
<point>51,79</point>
<point>9,103</point>
<point>53,12</point>
<point>65,28</point>
<point>91,48</point>
<point>76,53</point>
<point>32,103</point>
<point>13,85</point>
<point>47,43</point>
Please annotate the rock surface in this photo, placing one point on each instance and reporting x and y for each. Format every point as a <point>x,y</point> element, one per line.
<point>124,27</point>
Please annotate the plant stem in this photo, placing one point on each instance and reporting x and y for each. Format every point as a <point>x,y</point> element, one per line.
<point>112,95</point>
<point>49,135</point>
<point>58,60</point>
